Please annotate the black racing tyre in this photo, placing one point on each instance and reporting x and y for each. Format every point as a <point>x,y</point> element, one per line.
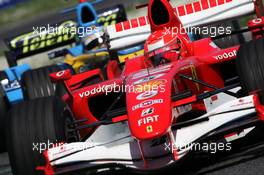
<point>37,83</point>
<point>250,67</point>
<point>4,106</point>
<point>35,124</point>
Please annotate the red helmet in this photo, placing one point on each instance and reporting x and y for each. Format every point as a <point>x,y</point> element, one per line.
<point>163,46</point>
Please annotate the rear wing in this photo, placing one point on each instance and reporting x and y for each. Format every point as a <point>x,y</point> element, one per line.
<point>33,42</point>
<point>111,16</point>
<point>203,12</point>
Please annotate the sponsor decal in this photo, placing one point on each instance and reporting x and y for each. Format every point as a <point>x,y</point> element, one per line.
<point>214,98</point>
<point>148,120</point>
<point>147,103</point>
<point>61,73</point>
<point>226,55</point>
<point>147,111</point>
<point>146,95</point>
<point>153,71</point>
<point>107,20</point>
<point>147,79</point>
<point>241,102</point>
<point>31,41</point>
<point>149,129</point>
<point>257,21</point>
<point>184,109</point>
<point>10,85</point>
<point>234,136</point>
<point>98,89</point>
<point>150,86</point>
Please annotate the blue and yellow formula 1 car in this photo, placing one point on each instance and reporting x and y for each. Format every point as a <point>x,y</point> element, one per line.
<point>21,82</point>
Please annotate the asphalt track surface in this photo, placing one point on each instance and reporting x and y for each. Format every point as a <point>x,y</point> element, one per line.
<point>249,162</point>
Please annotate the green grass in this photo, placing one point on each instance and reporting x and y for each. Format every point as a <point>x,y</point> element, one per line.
<point>30,10</point>
<point>34,8</point>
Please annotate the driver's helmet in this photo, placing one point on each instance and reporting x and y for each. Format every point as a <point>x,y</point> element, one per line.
<point>161,48</point>
<point>92,39</point>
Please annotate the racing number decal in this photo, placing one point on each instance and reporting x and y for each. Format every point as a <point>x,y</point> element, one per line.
<point>107,20</point>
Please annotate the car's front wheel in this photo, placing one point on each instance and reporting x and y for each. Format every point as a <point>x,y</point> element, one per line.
<point>250,67</point>
<point>32,127</point>
<point>37,83</point>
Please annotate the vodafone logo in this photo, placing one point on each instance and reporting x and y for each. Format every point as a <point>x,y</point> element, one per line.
<point>257,21</point>
<point>61,73</point>
<point>155,45</point>
<point>226,55</point>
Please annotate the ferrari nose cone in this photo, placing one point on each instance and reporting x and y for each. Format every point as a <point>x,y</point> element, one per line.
<point>149,108</point>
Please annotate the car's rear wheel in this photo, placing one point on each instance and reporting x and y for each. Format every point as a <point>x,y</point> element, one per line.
<point>33,126</point>
<point>250,67</point>
<point>37,83</point>
<point>3,112</point>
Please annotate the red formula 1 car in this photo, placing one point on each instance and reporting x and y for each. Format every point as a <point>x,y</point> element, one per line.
<point>154,110</point>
